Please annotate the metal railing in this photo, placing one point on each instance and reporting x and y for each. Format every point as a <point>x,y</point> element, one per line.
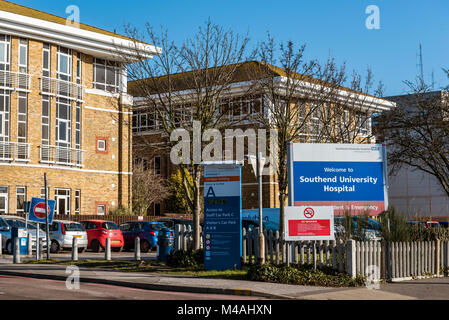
<point>61,155</point>
<point>14,151</point>
<point>61,88</point>
<point>15,80</point>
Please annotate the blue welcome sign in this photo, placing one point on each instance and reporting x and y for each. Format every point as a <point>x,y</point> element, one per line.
<point>222,216</point>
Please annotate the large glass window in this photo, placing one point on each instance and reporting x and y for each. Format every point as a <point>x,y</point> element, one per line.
<point>62,198</point>
<point>4,115</point>
<point>23,55</point>
<point>22,117</point>
<point>5,47</point>
<point>46,60</point>
<point>106,75</point>
<point>64,66</point>
<point>21,193</point>
<point>4,200</point>
<point>78,202</point>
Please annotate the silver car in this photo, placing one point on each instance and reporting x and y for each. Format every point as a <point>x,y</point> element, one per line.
<point>17,222</point>
<point>62,234</point>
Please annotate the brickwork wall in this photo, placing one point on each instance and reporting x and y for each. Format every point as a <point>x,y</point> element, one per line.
<point>98,179</point>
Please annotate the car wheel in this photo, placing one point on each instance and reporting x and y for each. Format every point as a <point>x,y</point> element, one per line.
<point>54,247</point>
<point>96,246</point>
<point>145,246</point>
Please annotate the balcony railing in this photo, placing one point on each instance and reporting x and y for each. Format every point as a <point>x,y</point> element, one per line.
<point>61,156</point>
<point>61,88</point>
<point>14,151</point>
<point>15,80</point>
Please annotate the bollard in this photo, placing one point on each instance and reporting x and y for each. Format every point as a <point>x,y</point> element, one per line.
<point>75,249</point>
<point>16,250</point>
<point>30,245</point>
<point>137,249</point>
<point>1,246</point>
<point>39,253</point>
<point>107,251</point>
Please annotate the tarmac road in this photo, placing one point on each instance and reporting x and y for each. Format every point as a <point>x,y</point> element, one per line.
<point>20,288</point>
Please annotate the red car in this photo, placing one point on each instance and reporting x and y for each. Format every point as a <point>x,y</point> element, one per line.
<point>98,231</point>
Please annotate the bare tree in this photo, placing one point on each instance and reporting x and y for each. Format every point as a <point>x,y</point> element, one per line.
<point>306,101</point>
<point>148,188</point>
<point>417,132</point>
<point>184,85</point>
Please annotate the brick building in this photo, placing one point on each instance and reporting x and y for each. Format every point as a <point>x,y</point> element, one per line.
<point>150,142</point>
<point>64,111</point>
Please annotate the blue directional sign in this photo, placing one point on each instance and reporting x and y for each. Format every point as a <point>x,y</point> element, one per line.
<point>37,211</point>
<point>222,217</point>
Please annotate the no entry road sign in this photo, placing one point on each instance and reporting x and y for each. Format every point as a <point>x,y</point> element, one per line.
<point>37,210</point>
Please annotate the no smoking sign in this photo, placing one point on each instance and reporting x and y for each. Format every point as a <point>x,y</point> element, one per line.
<point>309,213</point>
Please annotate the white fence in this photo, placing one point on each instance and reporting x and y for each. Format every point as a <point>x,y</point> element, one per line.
<point>392,261</point>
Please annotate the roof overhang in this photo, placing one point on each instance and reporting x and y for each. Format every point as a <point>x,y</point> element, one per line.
<point>88,42</point>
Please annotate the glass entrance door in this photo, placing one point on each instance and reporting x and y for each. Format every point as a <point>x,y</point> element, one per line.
<point>62,198</point>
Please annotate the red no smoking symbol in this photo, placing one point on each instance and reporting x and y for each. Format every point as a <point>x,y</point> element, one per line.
<point>309,213</point>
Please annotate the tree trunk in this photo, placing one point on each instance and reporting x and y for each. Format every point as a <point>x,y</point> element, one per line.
<point>197,208</point>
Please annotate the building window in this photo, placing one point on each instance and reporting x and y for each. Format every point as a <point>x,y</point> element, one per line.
<point>157,165</point>
<point>5,50</point>
<point>46,60</point>
<point>45,120</point>
<point>62,198</point>
<point>21,193</point>
<point>362,123</point>
<point>42,195</point>
<point>77,202</point>
<point>102,145</point>
<point>79,64</point>
<point>102,208</point>
<point>63,123</point>
<point>22,117</point>
<point>64,64</point>
<point>4,118</point>
<point>4,200</point>
<point>23,56</point>
<point>78,132</point>
<point>106,75</point>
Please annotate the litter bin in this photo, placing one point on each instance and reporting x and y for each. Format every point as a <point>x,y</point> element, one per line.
<point>165,243</point>
<point>22,234</point>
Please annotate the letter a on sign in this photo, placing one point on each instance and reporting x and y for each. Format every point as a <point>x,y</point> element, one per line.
<point>210,193</point>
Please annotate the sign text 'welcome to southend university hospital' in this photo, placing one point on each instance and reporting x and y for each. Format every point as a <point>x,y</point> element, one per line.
<point>348,177</point>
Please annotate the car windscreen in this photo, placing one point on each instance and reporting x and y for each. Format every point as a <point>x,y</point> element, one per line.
<point>109,226</point>
<point>73,227</point>
<point>156,226</point>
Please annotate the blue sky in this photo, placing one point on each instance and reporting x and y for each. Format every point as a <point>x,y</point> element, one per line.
<point>335,27</point>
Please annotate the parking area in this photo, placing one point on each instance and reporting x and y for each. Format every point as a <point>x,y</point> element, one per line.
<point>66,255</point>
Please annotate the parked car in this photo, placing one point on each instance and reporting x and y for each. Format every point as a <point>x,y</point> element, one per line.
<point>427,224</point>
<point>99,230</point>
<point>371,230</point>
<point>171,222</point>
<point>62,234</point>
<point>444,224</point>
<point>267,225</point>
<point>147,231</point>
<point>17,222</point>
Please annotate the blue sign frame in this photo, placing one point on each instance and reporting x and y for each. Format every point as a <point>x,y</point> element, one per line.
<point>222,217</point>
<point>36,201</point>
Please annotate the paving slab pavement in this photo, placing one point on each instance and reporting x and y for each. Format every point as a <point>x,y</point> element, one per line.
<point>157,281</point>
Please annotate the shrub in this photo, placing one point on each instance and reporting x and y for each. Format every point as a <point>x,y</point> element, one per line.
<point>187,259</point>
<point>303,275</point>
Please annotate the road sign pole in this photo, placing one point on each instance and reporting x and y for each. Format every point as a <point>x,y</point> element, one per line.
<point>46,217</point>
<point>37,242</point>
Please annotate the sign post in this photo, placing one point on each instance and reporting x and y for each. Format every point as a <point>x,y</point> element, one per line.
<point>41,211</point>
<point>222,215</point>
<point>258,164</point>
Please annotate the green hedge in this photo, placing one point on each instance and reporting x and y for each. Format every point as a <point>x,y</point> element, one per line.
<point>187,259</point>
<point>303,275</point>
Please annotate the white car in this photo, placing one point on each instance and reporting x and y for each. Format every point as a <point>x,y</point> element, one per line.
<point>62,234</point>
